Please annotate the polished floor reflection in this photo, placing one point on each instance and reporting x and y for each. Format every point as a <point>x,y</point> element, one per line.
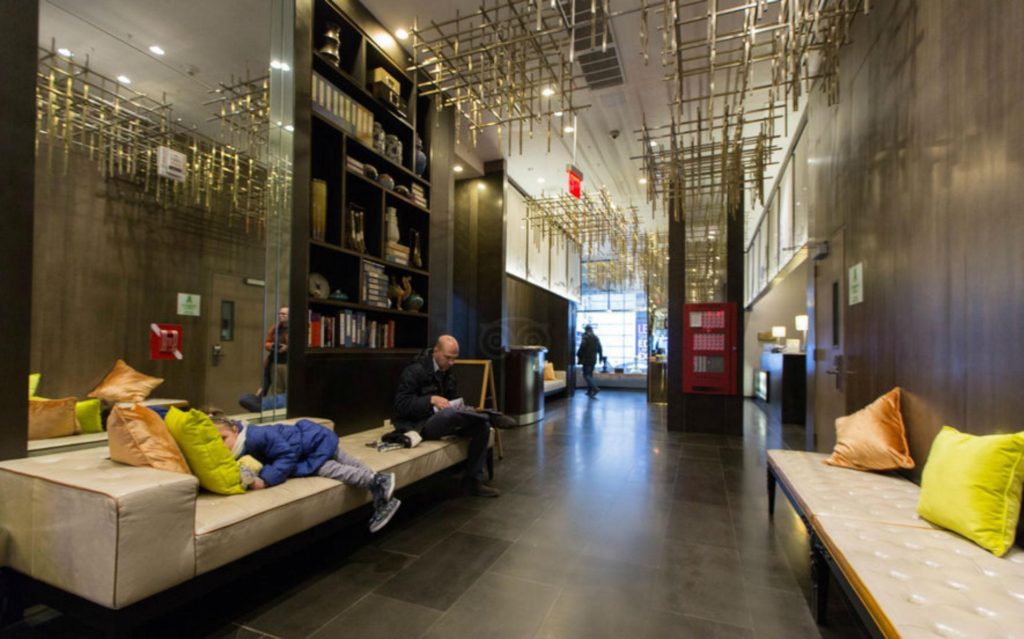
<point>609,526</point>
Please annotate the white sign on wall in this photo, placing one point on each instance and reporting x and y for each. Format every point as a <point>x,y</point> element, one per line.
<point>188,304</point>
<point>855,283</point>
<point>171,164</point>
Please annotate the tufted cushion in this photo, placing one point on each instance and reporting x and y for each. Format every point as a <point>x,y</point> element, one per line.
<point>927,583</point>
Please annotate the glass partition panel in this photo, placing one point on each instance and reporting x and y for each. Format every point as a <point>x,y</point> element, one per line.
<point>162,188</point>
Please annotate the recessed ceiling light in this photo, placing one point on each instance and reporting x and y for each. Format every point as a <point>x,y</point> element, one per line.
<point>65,52</point>
<point>123,79</point>
<point>457,168</point>
<point>547,92</point>
<point>654,143</point>
<point>401,34</point>
<point>643,180</point>
<point>540,180</point>
<point>156,50</point>
<point>568,129</point>
<point>557,114</point>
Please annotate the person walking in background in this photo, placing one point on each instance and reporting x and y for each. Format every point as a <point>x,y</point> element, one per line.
<point>588,354</point>
<point>276,360</point>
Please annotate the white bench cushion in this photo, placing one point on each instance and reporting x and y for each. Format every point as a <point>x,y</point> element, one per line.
<point>919,583</point>
<point>821,489</point>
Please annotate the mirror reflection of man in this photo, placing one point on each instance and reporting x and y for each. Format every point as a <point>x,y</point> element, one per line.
<point>276,345</point>
<point>423,404</point>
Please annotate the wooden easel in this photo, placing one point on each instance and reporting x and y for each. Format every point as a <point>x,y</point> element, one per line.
<point>487,391</point>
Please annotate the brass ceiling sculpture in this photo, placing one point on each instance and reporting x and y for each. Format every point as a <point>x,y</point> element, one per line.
<point>733,68</point>
<point>121,130</point>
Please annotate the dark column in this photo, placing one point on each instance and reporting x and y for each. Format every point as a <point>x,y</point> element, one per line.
<point>17,165</point>
<point>442,220</point>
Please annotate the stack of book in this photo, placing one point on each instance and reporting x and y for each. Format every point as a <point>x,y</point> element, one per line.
<point>418,195</point>
<point>319,201</point>
<point>321,330</point>
<point>354,330</point>
<point>342,110</point>
<point>354,165</point>
<point>397,253</point>
<point>375,285</point>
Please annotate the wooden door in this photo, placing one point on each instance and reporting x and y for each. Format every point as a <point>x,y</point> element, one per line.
<point>830,375</point>
<point>234,342</point>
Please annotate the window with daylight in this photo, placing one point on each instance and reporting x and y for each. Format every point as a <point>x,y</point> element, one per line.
<point>619,319</point>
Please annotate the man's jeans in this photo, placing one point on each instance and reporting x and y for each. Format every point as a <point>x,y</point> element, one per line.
<point>474,426</point>
<point>588,377</point>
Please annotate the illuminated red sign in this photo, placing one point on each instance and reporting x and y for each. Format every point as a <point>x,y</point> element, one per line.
<point>575,181</point>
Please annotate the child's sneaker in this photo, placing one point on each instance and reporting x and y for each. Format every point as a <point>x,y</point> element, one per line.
<point>383,514</point>
<point>382,488</point>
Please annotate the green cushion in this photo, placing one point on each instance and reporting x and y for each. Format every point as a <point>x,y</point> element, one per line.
<point>87,412</point>
<point>207,456</point>
<point>972,486</point>
<point>33,384</point>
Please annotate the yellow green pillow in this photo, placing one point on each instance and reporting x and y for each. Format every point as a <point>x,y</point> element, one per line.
<point>207,456</point>
<point>33,384</point>
<point>972,486</point>
<point>87,412</point>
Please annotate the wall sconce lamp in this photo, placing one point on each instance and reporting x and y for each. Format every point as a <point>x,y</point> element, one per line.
<point>801,325</point>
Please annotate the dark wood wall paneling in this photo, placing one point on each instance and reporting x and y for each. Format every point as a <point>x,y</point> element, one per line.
<point>478,274</point>
<point>17,162</point>
<point>539,317</point>
<point>922,160</point>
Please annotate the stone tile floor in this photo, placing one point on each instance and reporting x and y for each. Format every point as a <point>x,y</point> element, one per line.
<point>609,526</point>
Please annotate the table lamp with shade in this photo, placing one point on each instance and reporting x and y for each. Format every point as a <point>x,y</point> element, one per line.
<point>779,333</point>
<point>801,325</point>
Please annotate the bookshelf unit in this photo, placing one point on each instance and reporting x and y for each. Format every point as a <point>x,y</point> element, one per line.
<point>348,226</point>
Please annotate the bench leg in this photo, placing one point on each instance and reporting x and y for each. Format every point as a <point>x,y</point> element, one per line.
<point>12,599</point>
<point>820,576</point>
<point>771,494</point>
<point>490,464</point>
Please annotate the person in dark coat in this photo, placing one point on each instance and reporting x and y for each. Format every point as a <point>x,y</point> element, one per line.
<point>303,450</point>
<point>588,354</point>
<point>422,404</point>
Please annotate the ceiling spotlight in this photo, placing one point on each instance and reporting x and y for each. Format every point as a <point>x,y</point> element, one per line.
<point>457,168</point>
<point>547,92</point>
<point>65,52</point>
<point>277,64</point>
<point>654,143</point>
<point>289,128</point>
<point>568,129</point>
<point>156,50</point>
<point>642,180</point>
<point>401,34</point>
<point>123,79</point>
<point>557,114</point>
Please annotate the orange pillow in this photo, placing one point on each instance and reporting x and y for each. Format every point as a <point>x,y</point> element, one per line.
<point>138,437</point>
<point>125,384</point>
<point>51,418</point>
<point>549,372</point>
<point>873,438</point>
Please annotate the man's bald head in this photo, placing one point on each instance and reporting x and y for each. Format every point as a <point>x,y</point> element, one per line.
<point>446,351</point>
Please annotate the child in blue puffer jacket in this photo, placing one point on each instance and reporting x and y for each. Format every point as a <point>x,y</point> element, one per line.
<point>303,450</point>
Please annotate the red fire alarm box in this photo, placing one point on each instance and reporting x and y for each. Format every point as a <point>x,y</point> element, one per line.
<point>709,349</point>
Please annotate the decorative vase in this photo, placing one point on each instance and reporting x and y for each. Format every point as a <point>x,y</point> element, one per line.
<point>393,148</point>
<point>416,257</point>
<point>331,48</point>
<point>386,181</point>
<point>421,157</point>
<point>391,215</point>
<point>413,302</point>
<point>379,139</point>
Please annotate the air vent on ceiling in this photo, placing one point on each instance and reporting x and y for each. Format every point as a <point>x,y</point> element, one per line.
<point>601,68</point>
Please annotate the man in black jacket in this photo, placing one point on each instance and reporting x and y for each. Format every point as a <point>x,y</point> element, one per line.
<point>422,404</point>
<point>588,354</point>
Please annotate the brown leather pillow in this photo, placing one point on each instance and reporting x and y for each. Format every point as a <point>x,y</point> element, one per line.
<point>51,418</point>
<point>873,438</point>
<point>138,437</point>
<point>125,384</point>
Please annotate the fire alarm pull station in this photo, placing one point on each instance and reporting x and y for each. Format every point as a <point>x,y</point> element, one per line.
<point>165,341</point>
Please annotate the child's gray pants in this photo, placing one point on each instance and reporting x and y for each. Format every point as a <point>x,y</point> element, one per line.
<point>347,469</point>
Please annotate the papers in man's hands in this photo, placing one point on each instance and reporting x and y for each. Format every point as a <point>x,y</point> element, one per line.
<point>457,404</point>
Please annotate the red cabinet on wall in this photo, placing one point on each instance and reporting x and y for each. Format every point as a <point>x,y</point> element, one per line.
<point>709,349</point>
